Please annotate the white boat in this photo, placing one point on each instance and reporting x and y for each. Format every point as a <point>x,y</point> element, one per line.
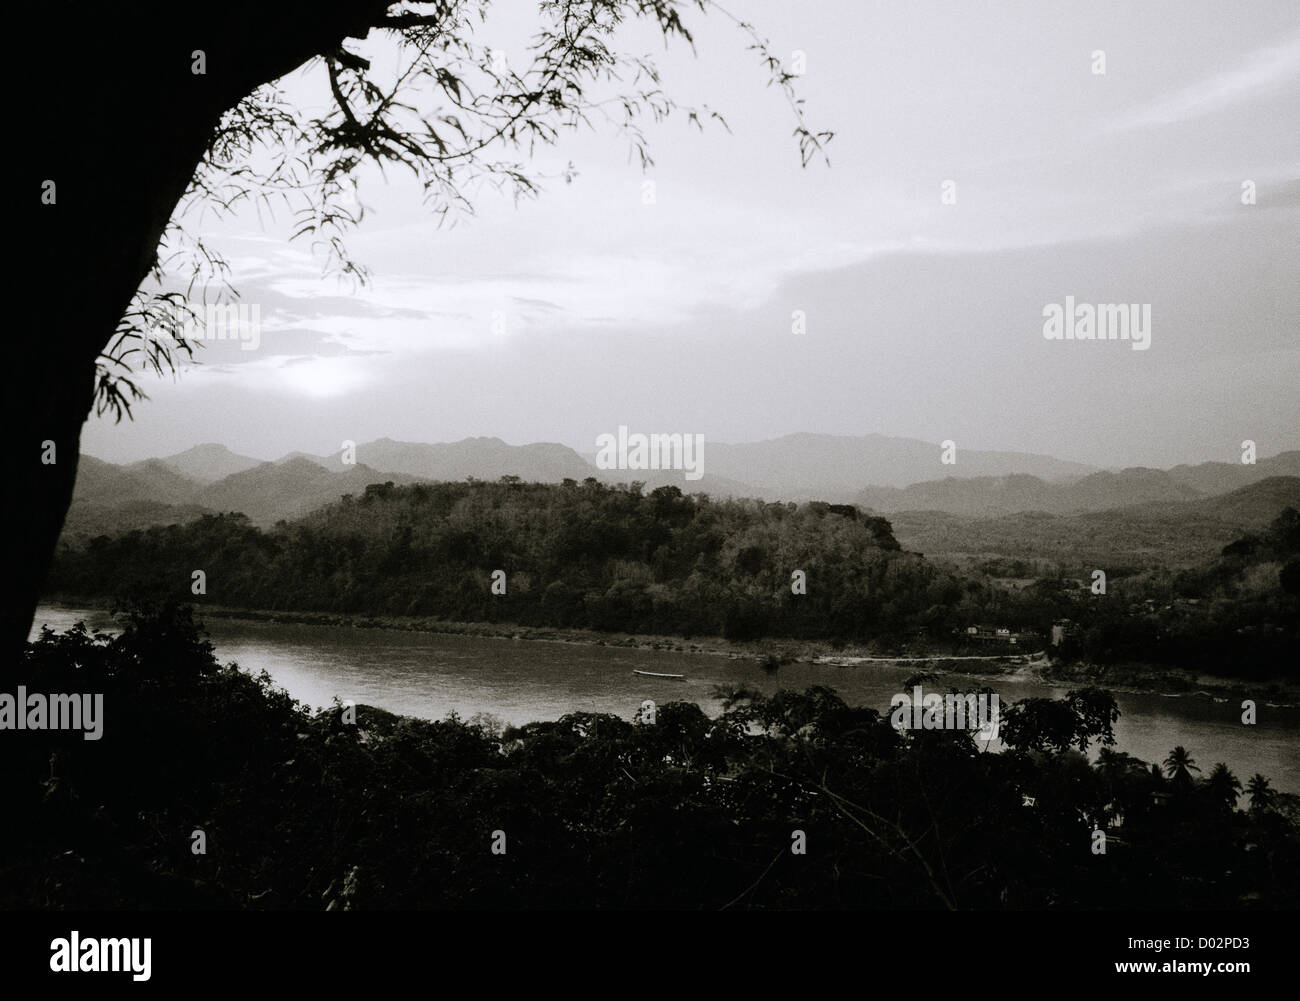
<point>656,674</point>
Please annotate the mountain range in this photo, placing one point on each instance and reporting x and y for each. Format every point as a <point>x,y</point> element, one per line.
<point>885,475</point>
<point>985,496</point>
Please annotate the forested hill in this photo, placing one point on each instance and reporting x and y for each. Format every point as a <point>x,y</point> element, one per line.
<point>575,555</point>
<point>618,559</point>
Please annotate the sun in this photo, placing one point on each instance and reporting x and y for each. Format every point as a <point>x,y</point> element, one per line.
<point>321,378</point>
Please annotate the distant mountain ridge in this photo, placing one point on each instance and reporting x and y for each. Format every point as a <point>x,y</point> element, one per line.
<point>100,482</point>
<point>208,463</point>
<point>480,458</point>
<point>273,491</point>
<point>990,497</point>
<point>834,467</point>
<point>211,478</point>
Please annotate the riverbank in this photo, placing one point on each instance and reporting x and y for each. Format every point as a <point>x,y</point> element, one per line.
<point>775,651</point>
<point>771,654</point>
<point>1151,679</point>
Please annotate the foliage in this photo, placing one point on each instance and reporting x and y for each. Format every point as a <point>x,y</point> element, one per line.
<point>586,556</point>
<point>307,811</point>
<point>617,560</point>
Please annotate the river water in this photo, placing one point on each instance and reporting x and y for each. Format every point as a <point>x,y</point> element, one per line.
<point>429,675</point>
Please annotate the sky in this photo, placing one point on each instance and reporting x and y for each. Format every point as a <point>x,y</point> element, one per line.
<point>562,318</point>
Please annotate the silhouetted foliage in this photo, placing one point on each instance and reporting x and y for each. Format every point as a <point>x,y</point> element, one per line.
<point>308,811</point>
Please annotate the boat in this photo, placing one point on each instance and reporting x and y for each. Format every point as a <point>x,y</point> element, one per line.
<point>656,674</point>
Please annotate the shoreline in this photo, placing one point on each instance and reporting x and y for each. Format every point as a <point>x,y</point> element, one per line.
<point>1037,666</point>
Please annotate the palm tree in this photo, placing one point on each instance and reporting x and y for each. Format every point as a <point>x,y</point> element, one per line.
<point>1180,766</point>
<point>1261,796</point>
<point>1223,786</point>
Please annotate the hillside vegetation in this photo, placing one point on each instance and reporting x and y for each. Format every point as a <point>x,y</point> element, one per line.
<point>615,559</point>
<point>575,555</point>
<point>1132,538</point>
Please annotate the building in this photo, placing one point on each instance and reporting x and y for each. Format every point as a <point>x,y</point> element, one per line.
<point>998,634</point>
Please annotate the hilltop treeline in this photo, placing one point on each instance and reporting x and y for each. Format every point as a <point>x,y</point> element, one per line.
<point>313,811</point>
<point>573,555</point>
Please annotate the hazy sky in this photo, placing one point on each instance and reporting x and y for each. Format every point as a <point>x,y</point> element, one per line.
<point>924,319</point>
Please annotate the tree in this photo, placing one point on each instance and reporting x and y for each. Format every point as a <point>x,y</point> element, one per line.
<point>1261,794</point>
<point>1289,577</point>
<point>1223,787</point>
<point>141,110</point>
<point>1055,726</point>
<point>1125,779</point>
<point>1179,766</point>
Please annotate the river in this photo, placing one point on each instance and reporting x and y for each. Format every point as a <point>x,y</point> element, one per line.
<point>429,675</point>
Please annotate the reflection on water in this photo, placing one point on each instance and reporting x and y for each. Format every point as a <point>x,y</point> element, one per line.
<point>430,675</point>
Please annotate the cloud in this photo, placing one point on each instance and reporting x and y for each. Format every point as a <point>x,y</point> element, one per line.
<point>539,303</point>
<point>1265,71</point>
<point>273,377</point>
<point>295,342</point>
